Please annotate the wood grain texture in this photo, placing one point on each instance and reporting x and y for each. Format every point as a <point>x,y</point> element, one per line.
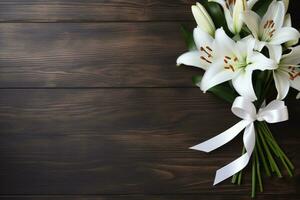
<point>103,11</point>
<point>152,197</point>
<point>122,141</point>
<point>92,55</point>
<point>94,10</point>
<point>93,107</point>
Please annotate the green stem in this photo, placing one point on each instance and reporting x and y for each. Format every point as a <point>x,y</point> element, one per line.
<point>285,161</point>
<point>261,154</point>
<point>286,167</point>
<point>280,151</point>
<point>266,87</point>
<point>234,178</point>
<point>270,139</point>
<point>238,176</point>
<point>273,164</point>
<point>253,177</point>
<point>271,144</point>
<point>258,171</point>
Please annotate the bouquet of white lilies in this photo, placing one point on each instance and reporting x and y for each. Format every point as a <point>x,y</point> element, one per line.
<point>247,50</point>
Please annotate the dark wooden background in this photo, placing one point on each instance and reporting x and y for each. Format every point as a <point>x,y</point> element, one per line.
<point>93,107</point>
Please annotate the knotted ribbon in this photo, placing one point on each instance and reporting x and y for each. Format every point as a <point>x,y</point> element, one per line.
<point>274,112</point>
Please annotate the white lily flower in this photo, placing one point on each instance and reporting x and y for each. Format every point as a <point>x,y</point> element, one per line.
<point>236,61</point>
<point>287,73</point>
<point>233,10</point>
<point>203,55</point>
<point>269,31</point>
<point>203,19</point>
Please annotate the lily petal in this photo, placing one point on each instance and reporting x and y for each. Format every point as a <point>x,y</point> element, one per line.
<point>288,23</point>
<point>284,34</point>
<point>260,45</point>
<point>242,83</point>
<point>282,84</point>
<point>275,52</point>
<point>202,38</point>
<point>260,62</point>
<point>275,12</point>
<point>252,20</point>
<point>244,47</point>
<point>293,58</point>
<point>295,83</point>
<point>298,96</point>
<point>192,58</point>
<point>225,45</point>
<point>215,75</point>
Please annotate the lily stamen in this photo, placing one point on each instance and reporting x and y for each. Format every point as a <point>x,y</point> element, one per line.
<point>203,58</point>
<point>293,73</point>
<point>294,76</point>
<point>229,66</point>
<point>269,30</point>
<point>207,47</point>
<point>208,54</point>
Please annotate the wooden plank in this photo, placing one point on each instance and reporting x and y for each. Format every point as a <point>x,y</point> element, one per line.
<point>154,197</point>
<point>94,10</point>
<point>102,11</point>
<point>92,55</point>
<point>122,141</point>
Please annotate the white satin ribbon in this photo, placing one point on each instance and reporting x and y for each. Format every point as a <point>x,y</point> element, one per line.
<point>274,112</point>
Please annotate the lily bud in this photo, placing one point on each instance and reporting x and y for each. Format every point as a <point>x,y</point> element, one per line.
<point>239,7</point>
<point>203,19</point>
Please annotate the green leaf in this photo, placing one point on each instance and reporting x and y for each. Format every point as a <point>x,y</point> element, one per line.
<point>261,7</point>
<point>188,37</point>
<point>260,79</point>
<point>196,79</point>
<point>223,91</point>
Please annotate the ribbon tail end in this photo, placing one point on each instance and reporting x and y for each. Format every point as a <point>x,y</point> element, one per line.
<point>198,148</point>
<point>217,181</point>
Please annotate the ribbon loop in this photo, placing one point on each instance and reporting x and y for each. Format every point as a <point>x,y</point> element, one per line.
<point>244,108</point>
<point>274,112</point>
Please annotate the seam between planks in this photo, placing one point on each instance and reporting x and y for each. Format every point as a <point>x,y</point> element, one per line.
<point>89,21</point>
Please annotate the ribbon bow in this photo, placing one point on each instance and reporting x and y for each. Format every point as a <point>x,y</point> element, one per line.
<point>274,112</point>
